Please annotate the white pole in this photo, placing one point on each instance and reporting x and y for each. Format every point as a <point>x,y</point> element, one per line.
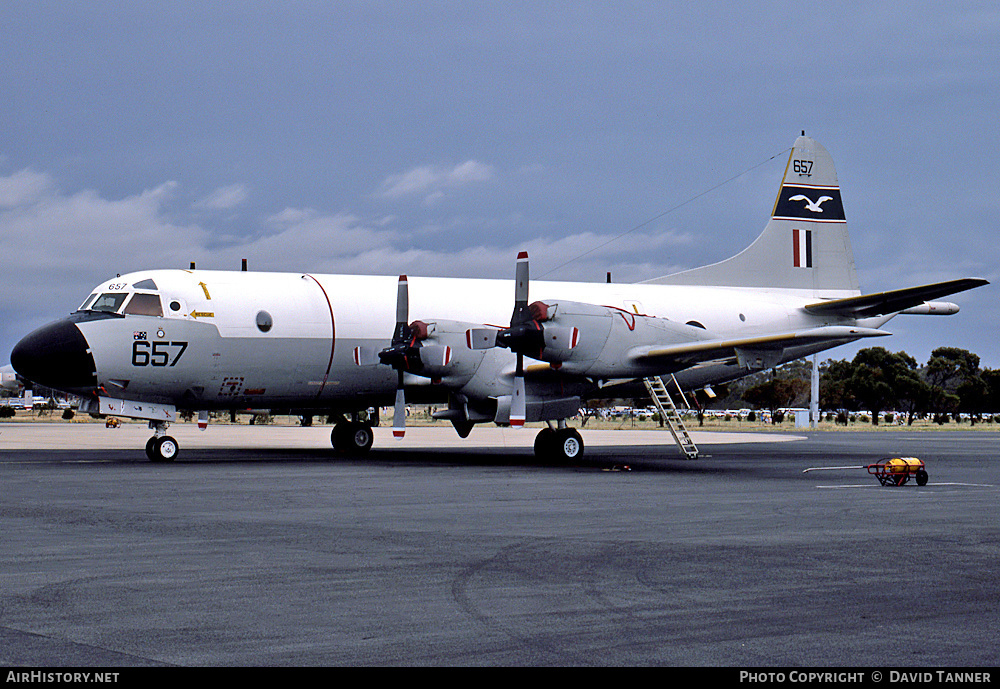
<point>814,397</point>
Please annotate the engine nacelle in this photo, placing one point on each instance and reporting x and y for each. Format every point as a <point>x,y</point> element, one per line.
<point>438,351</point>
<point>596,341</point>
<point>444,355</point>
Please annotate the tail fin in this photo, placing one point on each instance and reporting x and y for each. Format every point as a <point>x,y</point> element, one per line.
<point>804,246</point>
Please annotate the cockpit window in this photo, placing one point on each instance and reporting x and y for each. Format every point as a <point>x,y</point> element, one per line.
<point>145,284</point>
<point>145,305</point>
<point>109,302</point>
<point>86,304</point>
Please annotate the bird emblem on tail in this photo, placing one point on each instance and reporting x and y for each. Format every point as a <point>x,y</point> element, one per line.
<point>811,205</point>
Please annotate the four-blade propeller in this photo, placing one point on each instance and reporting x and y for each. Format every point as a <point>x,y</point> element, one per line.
<point>401,354</point>
<point>523,335</point>
<point>526,336</point>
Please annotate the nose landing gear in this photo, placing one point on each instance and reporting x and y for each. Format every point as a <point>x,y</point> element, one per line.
<point>161,447</point>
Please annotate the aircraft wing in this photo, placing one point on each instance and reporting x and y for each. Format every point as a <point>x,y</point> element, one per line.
<point>706,350</point>
<point>894,301</point>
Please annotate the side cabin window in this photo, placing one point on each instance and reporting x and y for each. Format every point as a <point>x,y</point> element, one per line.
<point>109,302</point>
<point>144,305</point>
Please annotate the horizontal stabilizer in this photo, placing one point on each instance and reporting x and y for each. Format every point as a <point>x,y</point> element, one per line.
<point>705,350</point>
<point>884,303</point>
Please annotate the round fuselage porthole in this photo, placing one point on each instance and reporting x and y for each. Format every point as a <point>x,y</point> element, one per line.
<point>264,321</point>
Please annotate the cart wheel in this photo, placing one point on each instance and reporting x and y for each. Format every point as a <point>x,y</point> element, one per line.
<point>921,476</point>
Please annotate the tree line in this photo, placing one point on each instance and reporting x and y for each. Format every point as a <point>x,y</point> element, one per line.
<point>876,381</point>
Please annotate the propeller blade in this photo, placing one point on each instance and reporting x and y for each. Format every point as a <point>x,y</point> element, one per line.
<point>520,317</point>
<point>518,403</point>
<point>402,301</point>
<point>395,354</point>
<point>521,275</point>
<point>481,338</point>
<point>365,356</point>
<point>520,290</point>
<point>435,355</point>
<point>399,338</point>
<point>562,337</point>
<point>399,411</point>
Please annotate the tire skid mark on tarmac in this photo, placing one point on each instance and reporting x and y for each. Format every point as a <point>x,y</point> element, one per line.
<point>500,562</point>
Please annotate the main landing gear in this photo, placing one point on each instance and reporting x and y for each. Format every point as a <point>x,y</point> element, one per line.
<point>352,437</point>
<point>562,443</point>
<point>161,447</point>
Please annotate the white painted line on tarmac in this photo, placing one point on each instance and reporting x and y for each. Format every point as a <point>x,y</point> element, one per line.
<point>929,485</point>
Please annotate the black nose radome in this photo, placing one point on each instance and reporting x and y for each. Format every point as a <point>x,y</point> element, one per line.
<point>56,356</point>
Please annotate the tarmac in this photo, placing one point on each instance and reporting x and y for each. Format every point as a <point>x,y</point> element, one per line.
<point>261,547</point>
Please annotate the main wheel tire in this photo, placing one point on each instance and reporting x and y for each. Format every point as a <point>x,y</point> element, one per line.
<point>362,438</point>
<point>163,449</point>
<point>545,443</point>
<point>352,438</point>
<point>568,445</point>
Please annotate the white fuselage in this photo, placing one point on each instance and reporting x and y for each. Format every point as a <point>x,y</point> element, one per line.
<point>239,339</point>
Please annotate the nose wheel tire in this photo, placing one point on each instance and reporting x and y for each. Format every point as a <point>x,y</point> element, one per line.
<point>161,449</point>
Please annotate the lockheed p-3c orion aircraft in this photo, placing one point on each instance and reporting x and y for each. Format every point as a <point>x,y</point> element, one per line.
<point>148,344</point>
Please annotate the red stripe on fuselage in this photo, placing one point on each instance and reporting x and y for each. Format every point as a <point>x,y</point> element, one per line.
<point>333,334</point>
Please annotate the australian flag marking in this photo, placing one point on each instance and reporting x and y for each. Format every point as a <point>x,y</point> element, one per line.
<point>802,248</point>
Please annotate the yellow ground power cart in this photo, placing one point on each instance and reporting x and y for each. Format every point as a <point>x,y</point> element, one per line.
<point>895,471</point>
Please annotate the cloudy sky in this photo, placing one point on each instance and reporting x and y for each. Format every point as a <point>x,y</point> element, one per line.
<point>440,138</point>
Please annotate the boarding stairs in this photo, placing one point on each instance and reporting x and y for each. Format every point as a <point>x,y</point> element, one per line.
<point>668,412</point>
